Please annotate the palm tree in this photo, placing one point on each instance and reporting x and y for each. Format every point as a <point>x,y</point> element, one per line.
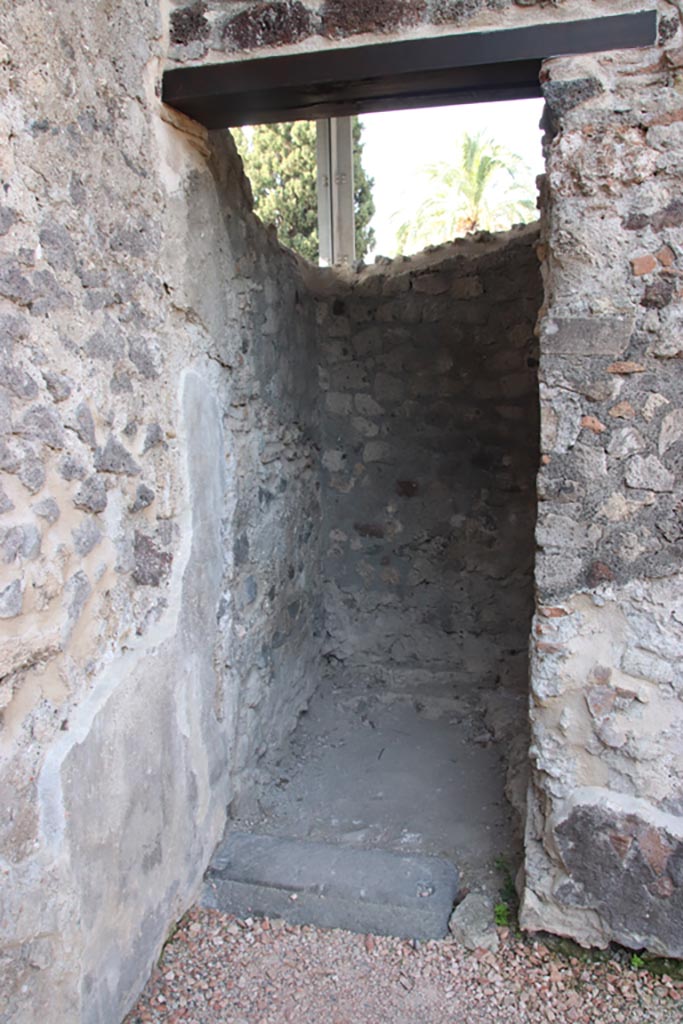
<point>486,188</point>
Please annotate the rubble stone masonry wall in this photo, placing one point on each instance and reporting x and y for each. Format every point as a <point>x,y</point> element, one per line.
<point>604,854</point>
<point>212,30</point>
<point>430,430</point>
<point>159,543</point>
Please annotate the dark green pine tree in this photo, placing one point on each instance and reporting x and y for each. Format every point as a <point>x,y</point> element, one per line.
<point>280,162</point>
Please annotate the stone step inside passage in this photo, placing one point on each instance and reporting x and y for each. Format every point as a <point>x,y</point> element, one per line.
<point>332,886</point>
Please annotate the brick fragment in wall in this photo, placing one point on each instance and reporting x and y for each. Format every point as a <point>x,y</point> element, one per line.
<point>269,24</point>
<point>659,294</point>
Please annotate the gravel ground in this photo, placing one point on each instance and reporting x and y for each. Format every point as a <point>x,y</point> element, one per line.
<point>220,969</point>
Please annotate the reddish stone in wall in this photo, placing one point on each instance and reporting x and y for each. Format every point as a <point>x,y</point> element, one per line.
<point>461,10</point>
<point>269,24</point>
<point>349,17</point>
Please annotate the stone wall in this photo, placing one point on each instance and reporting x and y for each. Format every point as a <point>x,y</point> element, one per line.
<point>159,603</point>
<point>160,606</point>
<point>605,830</point>
<point>212,30</point>
<point>430,431</point>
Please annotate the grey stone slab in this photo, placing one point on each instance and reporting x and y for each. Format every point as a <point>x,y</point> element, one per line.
<point>332,886</point>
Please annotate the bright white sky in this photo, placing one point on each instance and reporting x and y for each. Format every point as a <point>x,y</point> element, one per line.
<point>397,144</point>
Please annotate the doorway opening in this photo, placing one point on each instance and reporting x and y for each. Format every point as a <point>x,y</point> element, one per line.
<point>428,428</point>
<point>430,449</point>
<point>416,739</point>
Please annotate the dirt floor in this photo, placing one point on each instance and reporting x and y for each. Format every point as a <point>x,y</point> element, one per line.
<point>220,970</point>
<point>422,773</point>
<point>373,767</point>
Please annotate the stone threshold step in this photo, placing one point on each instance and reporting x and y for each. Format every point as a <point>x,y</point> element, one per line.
<point>332,886</point>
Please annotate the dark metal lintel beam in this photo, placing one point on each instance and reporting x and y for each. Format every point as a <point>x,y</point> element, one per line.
<point>464,68</point>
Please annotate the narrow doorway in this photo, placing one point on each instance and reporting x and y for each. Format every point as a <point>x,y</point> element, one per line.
<point>416,739</point>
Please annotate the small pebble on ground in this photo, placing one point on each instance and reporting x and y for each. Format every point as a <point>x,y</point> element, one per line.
<point>218,969</point>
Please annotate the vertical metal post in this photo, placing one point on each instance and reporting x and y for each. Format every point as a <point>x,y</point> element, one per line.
<point>336,221</point>
<point>325,219</point>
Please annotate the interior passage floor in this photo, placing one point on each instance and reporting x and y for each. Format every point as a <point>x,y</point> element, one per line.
<point>381,769</point>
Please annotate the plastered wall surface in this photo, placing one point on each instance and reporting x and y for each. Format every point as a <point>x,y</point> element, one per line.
<point>159,603</point>
<point>161,610</point>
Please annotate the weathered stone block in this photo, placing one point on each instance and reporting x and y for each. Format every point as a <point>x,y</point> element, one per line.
<point>152,565</point>
<point>647,473</point>
<point>91,495</point>
<point>580,336</point>
<point>114,458</point>
<point>189,24</point>
<point>86,536</point>
<point>349,17</point>
<point>11,600</point>
<point>41,423</point>
<point>144,496</point>
<point>268,24</point>
<point>623,861</point>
